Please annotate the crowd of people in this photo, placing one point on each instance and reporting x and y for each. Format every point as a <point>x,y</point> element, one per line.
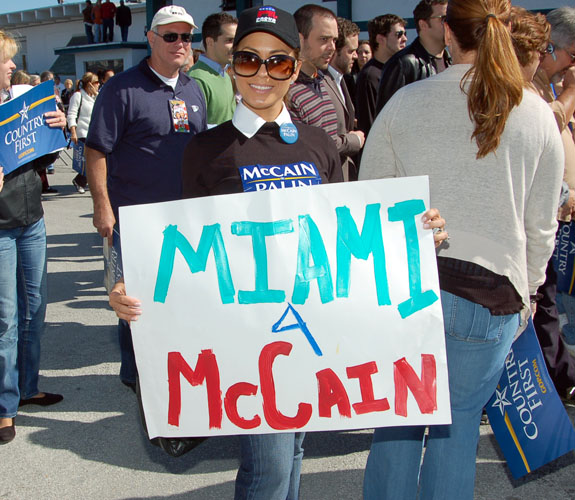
<point>482,101</point>
<point>99,18</point>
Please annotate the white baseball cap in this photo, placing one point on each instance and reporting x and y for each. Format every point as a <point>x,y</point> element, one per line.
<point>172,14</point>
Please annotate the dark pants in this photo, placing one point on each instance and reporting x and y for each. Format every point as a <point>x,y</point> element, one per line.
<point>81,180</point>
<point>559,362</point>
<point>128,370</point>
<point>89,33</point>
<point>124,32</point>
<point>108,35</point>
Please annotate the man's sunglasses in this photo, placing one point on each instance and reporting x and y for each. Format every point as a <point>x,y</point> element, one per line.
<point>279,67</point>
<point>172,37</point>
<point>400,33</point>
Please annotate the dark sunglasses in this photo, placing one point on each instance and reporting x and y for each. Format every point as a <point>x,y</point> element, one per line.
<point>280,67</point>
<point>443,17</point>
<point>400,33</point>
<point>172,37</point>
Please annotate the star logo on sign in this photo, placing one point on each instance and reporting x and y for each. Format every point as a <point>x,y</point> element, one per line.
<point>572,248</point>
<point>24,112</point>
<point>501,400</point>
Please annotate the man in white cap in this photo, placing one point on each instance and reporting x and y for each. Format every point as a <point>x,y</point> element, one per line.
<point>140,124</point>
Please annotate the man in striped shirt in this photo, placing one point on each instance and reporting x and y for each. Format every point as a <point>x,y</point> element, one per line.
<point>309,101</point>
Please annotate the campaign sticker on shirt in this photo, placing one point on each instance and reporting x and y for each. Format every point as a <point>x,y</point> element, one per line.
<point>266,177</point>
<point>179,115</point>
<point>288,133</point>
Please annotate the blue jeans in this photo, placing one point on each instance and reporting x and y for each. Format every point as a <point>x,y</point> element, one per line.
<point>98,30</point>
<point>22,312</point>
<point>270,466</point>
<point>477,344</point>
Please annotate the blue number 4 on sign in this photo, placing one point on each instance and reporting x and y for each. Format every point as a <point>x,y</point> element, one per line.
<point>526,413</point>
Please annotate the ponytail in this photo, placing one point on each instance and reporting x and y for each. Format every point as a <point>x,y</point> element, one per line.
<point>495,82</point>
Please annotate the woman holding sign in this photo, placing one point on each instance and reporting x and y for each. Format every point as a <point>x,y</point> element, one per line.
<point>494,159</point>
<point>22,272</point>
<point>265,62</point>
<point>79,114</point>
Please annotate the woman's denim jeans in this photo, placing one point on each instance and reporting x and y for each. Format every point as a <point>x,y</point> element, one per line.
<point>22,312</point>
<point>270,466</point>
<point>477,344</point>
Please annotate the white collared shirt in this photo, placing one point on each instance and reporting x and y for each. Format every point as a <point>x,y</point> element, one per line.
<point>248,122</point>
<point>338,77</point>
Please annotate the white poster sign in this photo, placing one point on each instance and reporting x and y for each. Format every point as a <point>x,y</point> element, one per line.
<point>310,308</point>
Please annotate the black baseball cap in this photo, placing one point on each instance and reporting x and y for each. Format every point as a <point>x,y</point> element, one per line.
<point>271,20</point>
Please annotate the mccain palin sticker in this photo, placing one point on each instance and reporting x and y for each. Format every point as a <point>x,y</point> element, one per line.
<point>266,177</point>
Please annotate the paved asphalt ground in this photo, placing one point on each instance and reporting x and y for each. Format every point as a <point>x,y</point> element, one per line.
<point>91,446</point>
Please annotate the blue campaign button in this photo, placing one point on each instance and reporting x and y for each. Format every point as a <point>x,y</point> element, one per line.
<point>289,133</point>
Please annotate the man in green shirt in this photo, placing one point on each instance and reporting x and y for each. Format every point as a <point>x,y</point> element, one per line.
<point>218,33</point>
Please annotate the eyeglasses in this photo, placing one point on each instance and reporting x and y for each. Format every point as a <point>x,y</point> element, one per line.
<point>551,50</point>
<point>443,18</point>
<point>279,67</point>
<point>571,55</point>
<point>400,33</point>
<point>172,37</point>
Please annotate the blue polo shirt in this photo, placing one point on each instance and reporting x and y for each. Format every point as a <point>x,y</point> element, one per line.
<point>132,125</point>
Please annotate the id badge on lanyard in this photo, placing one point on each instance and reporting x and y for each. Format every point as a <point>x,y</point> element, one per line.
<point>179,114</point>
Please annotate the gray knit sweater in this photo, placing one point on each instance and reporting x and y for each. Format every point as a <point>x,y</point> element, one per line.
<point>499,210</point>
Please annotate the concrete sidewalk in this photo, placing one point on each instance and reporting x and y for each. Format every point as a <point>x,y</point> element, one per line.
<point>91,445</point>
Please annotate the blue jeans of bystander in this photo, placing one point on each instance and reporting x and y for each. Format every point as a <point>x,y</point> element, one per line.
<point>477,344</point>
<point>22,312</point>
<point>98,30</point>
<point>270,466</point>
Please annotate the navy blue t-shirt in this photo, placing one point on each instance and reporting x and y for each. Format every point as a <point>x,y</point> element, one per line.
<point>132,124</point>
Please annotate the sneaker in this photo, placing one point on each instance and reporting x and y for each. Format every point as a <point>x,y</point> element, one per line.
<point>79,188</point>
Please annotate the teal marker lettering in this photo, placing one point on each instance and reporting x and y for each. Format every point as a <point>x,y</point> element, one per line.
<point>211,239</point>
<point>405,212</point>
<point>311,247</point>
<point>350,242</point>
<point>258,231</point>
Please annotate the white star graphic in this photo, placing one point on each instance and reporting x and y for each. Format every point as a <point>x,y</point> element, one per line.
<point>24,112</point>
<point>572,248</point>
<point>500,400</point>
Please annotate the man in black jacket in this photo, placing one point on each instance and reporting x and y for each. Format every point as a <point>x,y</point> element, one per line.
<point>424,57</point>
<point>123,20</point>
<point>387,36</point>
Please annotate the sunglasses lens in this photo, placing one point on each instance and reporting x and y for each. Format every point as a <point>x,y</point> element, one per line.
<point>280,67</point>
<point>170,37</point>
<point>186,37</point>
<point>246,64</point>
<point>399,34</point>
